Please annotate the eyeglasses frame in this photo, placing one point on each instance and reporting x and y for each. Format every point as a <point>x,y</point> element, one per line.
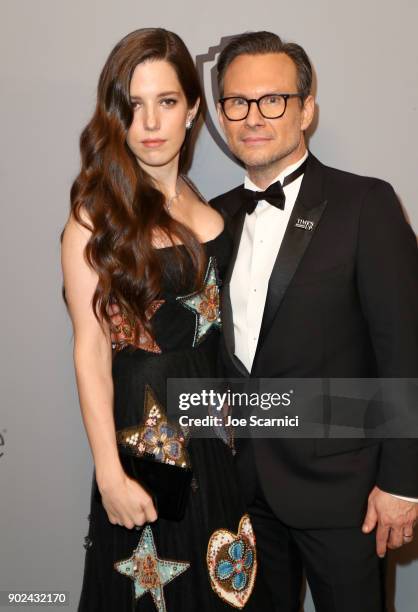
<point>249,101</point>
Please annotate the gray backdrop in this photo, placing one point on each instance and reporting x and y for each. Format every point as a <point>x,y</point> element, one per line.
<point>366,57</point>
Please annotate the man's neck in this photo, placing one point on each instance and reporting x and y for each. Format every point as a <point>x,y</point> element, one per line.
<point>263,176</point>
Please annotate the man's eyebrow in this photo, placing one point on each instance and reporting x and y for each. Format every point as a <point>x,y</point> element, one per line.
<point>235,94</point>
<point>160,95</point>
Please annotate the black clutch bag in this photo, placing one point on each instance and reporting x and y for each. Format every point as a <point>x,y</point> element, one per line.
<point>168,485</point>
<point>154,453</point>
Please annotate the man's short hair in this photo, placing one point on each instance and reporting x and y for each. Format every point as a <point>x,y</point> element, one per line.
<point>259,43</point>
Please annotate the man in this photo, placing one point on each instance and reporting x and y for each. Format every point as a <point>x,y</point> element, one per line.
<point>323,283</point>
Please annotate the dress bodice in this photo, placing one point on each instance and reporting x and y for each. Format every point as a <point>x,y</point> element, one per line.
<point>181,317</point>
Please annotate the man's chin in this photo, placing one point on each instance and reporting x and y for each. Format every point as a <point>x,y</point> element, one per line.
<point>262,159</point>
<point>257,161</point>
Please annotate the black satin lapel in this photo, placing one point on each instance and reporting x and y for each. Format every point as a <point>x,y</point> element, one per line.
<point>306,214</point>
<point>235,226</point>
<point>294,245</point>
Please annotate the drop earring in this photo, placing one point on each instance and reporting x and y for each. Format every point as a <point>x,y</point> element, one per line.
<point>189,123</point>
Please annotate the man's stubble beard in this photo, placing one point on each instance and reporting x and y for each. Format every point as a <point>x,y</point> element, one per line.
<point>269,161</point>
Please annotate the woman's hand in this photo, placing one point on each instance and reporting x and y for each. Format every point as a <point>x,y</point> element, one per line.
<point>127,503</point>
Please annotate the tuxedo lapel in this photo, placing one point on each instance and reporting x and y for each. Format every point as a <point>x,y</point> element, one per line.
<point>235,225</point>
<point>305,217</point>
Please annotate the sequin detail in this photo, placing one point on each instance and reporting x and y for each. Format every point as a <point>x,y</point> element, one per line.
<point>149,573</point>
<point>122,331</point>
<point>87,542</point>
<point>205,304</point>
<point>155,436</point>
<point>232,563</point>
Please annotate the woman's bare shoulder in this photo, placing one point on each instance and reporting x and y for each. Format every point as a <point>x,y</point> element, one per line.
<point>73,228</point>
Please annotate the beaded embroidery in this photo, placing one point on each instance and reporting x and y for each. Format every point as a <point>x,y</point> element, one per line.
<point>205,304</point>
<point>232,563</point>
<point>155,436</point>
<point>87,542</point>
<point>122,331</point>
<point>149,573</point>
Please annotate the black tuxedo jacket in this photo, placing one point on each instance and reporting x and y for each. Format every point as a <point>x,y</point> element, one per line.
<point>342,302</point>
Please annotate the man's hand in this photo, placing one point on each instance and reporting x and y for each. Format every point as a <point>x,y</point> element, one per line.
<point>395,519</point>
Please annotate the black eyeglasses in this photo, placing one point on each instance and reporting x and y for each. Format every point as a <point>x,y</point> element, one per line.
<point>270,106</point>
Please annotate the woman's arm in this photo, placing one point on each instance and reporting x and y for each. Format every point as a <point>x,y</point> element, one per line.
<point>125,501</point>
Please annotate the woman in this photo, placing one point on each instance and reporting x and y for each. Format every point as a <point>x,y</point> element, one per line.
<point>142,257</point>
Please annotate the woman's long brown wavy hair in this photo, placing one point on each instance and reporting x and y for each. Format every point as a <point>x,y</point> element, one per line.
<point>122,201</point>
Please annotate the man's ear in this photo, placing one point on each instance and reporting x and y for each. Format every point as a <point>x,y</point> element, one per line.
<point>308,111</point>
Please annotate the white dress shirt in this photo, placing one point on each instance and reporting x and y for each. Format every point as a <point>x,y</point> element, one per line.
<point>261,238</point>
<point>262,235</point>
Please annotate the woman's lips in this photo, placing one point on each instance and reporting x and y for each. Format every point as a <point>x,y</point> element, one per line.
<point>153,143</point>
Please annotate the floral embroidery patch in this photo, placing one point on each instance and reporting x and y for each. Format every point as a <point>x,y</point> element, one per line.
<point>155,436</point>
<point>232,563</point>
<point>205,304</point>
<point>150,573</point>
<point>122,331</point>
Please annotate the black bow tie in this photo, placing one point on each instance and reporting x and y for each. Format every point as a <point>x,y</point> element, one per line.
<point>274,194</point>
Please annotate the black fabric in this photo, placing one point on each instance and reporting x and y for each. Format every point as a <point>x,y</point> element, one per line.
<point>341,566</point>
<point>215,502</point>
<point>344,306</point>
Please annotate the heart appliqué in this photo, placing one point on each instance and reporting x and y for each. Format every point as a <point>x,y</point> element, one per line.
<point>232,563</point>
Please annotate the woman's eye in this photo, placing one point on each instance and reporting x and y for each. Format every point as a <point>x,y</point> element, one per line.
<point>136,105</point>
<point>168,101</point>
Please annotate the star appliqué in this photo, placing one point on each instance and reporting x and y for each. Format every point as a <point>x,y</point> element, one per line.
<point>205,304</point>
<point>149,573</point>
<point>122,331</point>
<point>155,435</point>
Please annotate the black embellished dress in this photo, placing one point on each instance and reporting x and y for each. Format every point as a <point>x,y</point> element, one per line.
<point>205,562</point>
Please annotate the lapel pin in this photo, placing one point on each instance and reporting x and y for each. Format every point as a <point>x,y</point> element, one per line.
<point>304,224</point>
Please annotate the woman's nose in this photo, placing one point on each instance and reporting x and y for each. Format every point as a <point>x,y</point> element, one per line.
<point>151,119</point>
